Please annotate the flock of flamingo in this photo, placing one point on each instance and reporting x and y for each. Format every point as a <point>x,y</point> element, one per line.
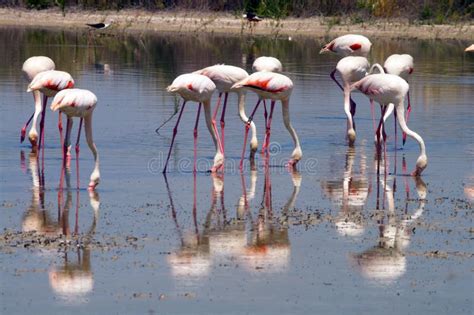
<point>385,84</point>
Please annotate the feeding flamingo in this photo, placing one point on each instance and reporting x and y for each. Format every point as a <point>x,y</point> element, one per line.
<point>348,45</point>
<point>391,89</point>
<point>224,77</point>
<point>264,63</point>
<point>197,88</point>
<point>401,65</point>
<point>31,67</point>
<point>49,83</point>
<point>79,103</point>
<point>273,86</point>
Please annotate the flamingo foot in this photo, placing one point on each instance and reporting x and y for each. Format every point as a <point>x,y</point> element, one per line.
<point>291,165</point>
<point>22,134</point>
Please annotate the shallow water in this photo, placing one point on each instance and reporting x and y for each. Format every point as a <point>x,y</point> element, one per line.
<point>335,237</point>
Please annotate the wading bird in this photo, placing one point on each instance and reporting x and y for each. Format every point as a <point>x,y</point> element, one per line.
<point>348,45</point>
<point>252,17</point>
<point>273,86</point>
<point>79,103</point>
<point>401,65</point>
<point>197,88</point>
<point>388,89</point>
<point>265,63</point>
<point>49,83</point>
<point>31,67</point>
<point>224,77</point>
<point>99,26</point>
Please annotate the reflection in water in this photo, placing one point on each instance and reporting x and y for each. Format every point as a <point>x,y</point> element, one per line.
<point>73,279</point>
<point>225,237</point>
<point>386,261</point>
<point>349,193</point>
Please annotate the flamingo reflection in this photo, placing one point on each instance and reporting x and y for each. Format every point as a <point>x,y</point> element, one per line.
<point>349,193</point>
<point>386,262</point>
<point>73,279</point>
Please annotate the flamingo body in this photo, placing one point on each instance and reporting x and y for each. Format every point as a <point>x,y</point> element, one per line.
<point>348,45</point>
<point>268,85</point>
<point>270,64</point>
<point>34,65</point>
<point>401,65</point>
<point>352,68</point>
<point>193,87</point>
<point>51,81</point>
<point>224,76</point>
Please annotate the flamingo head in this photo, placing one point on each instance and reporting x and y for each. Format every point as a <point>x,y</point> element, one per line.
<point>218,162</point>
<point>351,135</point>
<point>327,48</point>
<point>421,164</point>
<point>94,181</point>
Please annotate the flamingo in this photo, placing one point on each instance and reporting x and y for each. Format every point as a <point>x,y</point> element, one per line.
<point>197,88</point>
<point>224,77</point>
<point>470,48</point>
<point>265,63</point>
<point>391,89</point>
<point>49,83</point>
<point>344,46</point>
<point>31,67</point>
<point>79,103</point>
<point>274,86</point>
<point>401,65</point>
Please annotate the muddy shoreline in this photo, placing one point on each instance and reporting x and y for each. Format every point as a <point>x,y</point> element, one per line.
<point>141,21</point>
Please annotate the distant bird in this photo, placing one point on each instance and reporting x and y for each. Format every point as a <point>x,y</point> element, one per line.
<point>49,83</point>
<point>264,63</point>
<point>31,67</point>
<point>348,45</point>
<point>99,26</point>
<point>386,89</point>
<point>224,77</point>
<point>274,86</point>
<point>470,48</point>
<point>252,17</point>
<point>401,65</point>
<point>79,103</point>
<point>197,88</point>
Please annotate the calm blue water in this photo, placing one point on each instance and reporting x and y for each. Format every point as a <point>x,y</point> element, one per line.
<point>334,237</point>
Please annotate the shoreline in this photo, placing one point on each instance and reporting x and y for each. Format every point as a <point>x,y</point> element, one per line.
<point>133,21</point>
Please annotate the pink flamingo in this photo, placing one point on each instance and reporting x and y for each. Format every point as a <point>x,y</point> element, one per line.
<point>79,103</point>
<point>273,86</point>
<point>401,65</point>
<point>388,89</point>
<point>264,63</point>
<point>224,77</point>
<point>348,45</point>
<point>49,83</point>
<point>31,67</point>
<point>197,88</point>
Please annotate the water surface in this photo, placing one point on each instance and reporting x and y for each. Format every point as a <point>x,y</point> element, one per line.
<point>335,237</point>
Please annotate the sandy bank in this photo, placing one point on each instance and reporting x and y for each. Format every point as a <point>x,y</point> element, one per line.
<point>210,22</point>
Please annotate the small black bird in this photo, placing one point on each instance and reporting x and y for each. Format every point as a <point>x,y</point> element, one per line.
<point>252,17</point>
<point>99,26</point>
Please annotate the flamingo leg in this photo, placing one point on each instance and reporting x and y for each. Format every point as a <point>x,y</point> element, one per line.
<point>395,121</point>
<point>60,127</point>
<point>196,136</point>
<point>404,135</point>
<point>372,110</point>
<point>265,115</point>
<point>247,127</point>
<point>43,113</point>
<point>175,132</point>
<point>67,141</point>
<point>23,130</point>
<point>77,151</point>
<point>266,143</point>
<point>223,120</point>
<point>353,104</point>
